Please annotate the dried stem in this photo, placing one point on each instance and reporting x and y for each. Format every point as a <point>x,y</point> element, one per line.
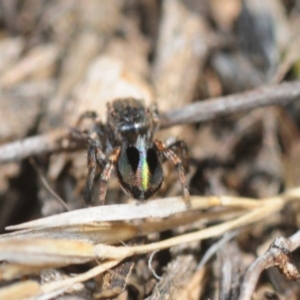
<point>212,108</point>
<point>44,143</point>
<point>199,111</point>
<point>46,184</point>
<point>278,255</point>
<point>53,286</point>
<point>112,252</point>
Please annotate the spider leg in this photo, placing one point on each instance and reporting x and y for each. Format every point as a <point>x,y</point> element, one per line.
<point>98,128</point>
<point>86,115</point>
<point>106,173</point>
<point>176,161</point>
<point>154,115</point>
<point>94,156</point>
<point>181,148</point>
<point>78,135</point>
<point>96,143</point>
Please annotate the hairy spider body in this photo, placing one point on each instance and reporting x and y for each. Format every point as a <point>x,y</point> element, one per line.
<point>132,151</point>
<point>139,169</point>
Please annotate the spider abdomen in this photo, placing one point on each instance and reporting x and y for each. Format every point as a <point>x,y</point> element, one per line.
<point>140,172</point>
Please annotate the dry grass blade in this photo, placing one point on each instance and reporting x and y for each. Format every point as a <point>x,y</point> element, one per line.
<point>258,214</point>
<point>121,212</point>
<point>57,252</point>
<point>9,271</point>
<point>37,253</point>
<point>46,252</point>
<point>105,232</point>
<point>20,290</point>
<point>160,208</point>
<point>82,252</point>
<point>27,289</point>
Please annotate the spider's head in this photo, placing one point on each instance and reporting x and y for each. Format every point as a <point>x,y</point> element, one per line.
<point>129,119</point>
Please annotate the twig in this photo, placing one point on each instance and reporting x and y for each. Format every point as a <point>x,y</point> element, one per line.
<point>52,286</point>
<point>46,184</point>
<point>278,255</point>
<point>44,143</point>
<point>200,111</point>
<point>295,241</point>
<point>150,265</point>
<point>230,261</point>
<point>206,110</point>
<point>215,247</point>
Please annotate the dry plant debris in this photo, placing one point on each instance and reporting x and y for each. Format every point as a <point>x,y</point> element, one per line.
<point>225,76</point>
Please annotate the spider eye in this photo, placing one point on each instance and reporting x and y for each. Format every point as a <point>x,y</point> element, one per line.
<point>112,114</point>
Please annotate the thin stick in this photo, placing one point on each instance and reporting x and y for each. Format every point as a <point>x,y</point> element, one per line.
<point>44,143</point>
<point>209,109</point>
<point>279,256</point>
<point>215,247</point>
<point>46,184</point>
<point>150,265</point>
<point>53,286</point>
<point>199,111</point>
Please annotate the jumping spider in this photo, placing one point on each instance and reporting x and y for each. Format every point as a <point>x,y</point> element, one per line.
<point>128,138</point>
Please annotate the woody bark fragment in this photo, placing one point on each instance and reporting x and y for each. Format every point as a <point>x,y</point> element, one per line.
<point>182,49</point>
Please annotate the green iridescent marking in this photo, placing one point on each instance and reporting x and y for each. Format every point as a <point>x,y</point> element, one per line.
<point>145,171</point>
<point>143,168</point>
